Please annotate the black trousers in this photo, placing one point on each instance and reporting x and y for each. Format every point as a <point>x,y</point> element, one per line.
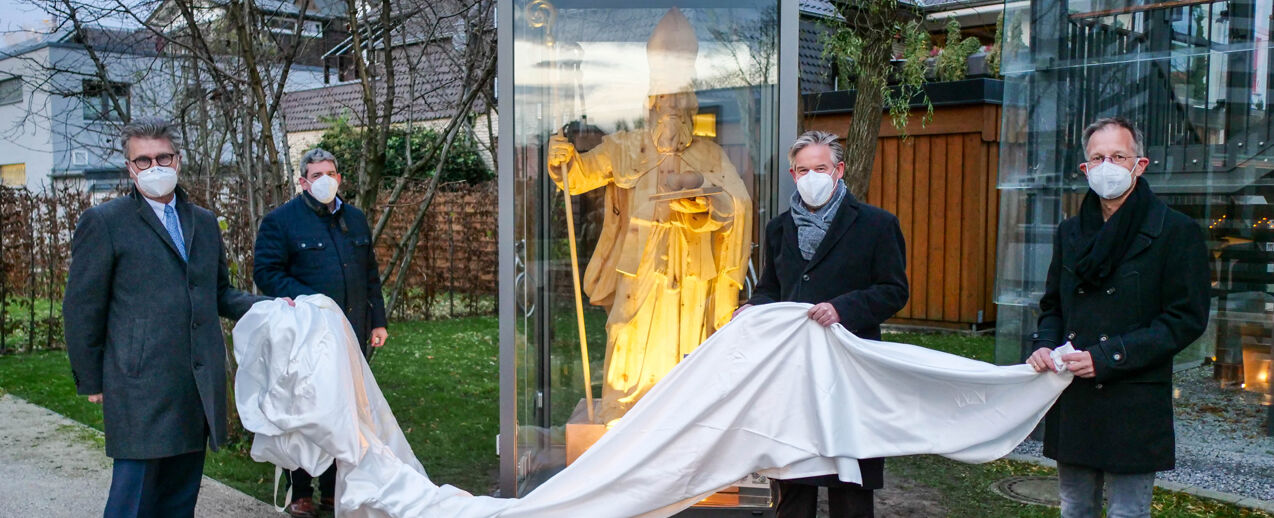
<point>843,500</point>
<point>166,487</point>
<point>303,484</point>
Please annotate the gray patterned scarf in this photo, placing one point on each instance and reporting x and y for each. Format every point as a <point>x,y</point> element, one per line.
<point>811,226</point>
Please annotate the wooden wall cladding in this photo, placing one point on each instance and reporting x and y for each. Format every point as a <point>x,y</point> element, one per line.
<point>940,182</point>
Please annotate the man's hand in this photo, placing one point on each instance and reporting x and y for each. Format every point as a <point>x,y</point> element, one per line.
<point>95,398</point>
<point>1042,360</point>
<point>740,310</point>
<point>288,300</point>
<point>378,336</point>
<point>1080,364</point>
<point>824,313</point>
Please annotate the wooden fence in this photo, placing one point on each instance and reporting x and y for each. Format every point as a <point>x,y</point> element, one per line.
<point>452,274</point>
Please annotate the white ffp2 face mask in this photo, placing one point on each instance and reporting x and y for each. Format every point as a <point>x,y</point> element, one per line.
<point>815,188</point>
<point>1108,180</point>
<point>157,182</point>
<point>324,189</point>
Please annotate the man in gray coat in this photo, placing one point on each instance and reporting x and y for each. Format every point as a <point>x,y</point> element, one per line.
<point>148,279</point>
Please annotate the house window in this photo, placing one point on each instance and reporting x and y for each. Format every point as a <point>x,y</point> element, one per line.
<point>13,175</point>
<point>10,90</point>
<point>97,100</point>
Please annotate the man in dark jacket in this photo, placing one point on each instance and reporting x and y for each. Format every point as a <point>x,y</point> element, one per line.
<point>148,278</point>
<point>848,259</point>
<point>1128,287</point>
<point>313,244</point>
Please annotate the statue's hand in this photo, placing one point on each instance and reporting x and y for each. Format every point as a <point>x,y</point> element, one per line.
<point>561,151</point>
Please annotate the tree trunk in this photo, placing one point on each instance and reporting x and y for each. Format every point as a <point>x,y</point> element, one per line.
<point>864,127</point>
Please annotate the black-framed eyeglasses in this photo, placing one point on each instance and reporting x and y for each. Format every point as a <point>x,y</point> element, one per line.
<point>163,160</point>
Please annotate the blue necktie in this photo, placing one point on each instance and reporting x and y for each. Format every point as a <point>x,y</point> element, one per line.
<point>174,230</point>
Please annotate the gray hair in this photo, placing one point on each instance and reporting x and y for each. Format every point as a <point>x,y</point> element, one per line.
<point>314,156</point>
<point>150,128</point>
<point>818,138</point>
<point>1103,123</point>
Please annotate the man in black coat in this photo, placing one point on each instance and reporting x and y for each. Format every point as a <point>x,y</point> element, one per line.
<point>848,259</point>
<point>147,281</point>
<point>313,244</point>
<point>1129,288</point>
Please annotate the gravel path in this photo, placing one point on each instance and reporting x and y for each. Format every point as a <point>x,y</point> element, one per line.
<point>1221,444</point>
<point>53,467</point>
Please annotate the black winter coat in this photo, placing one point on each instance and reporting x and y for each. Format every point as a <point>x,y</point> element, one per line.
<point>142,329</point>
<point>1153,306</point>
<point>303,251</point>
<point>860,268</point>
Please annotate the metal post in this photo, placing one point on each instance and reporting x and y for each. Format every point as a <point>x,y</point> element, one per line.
<point>506,442</point>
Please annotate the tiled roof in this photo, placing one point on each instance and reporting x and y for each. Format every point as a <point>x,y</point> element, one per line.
<point>439,87</point>
<point>824,8</point>
<point>947,5</point>
<point>816,70</point>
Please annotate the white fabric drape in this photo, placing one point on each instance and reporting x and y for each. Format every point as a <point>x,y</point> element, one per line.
<point>772,392</point>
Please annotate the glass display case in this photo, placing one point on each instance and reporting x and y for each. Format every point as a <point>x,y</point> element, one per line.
<point>1197,78</point>
<point>662,121</point>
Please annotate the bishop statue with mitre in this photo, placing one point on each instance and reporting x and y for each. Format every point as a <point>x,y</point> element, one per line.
<point>676,237</point>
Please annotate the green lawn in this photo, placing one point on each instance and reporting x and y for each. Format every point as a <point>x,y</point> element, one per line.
<point>441,379</point>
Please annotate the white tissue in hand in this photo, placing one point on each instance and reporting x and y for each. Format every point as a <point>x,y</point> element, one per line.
<point>1057,354</point>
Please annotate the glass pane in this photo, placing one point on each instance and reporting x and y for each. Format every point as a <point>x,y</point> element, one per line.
<point>661,122</point>
<point>1196,78</point>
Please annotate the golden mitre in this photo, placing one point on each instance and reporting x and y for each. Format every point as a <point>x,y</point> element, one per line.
<point>670,53</point>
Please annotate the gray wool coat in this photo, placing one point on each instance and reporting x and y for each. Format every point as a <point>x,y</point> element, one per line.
<point>142,330</point>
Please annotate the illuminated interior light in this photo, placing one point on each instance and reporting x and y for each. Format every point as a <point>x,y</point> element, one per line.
<point>705,125</point>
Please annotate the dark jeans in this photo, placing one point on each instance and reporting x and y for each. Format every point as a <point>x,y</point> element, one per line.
<point>303,484</point>
<point>844,501</point>
<point>167,486</point>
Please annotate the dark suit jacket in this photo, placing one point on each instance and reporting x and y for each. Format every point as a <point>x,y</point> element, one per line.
<point>142,330</point>
<point>303,251</point>
<point>860,268</point>
<point>1153,306</point>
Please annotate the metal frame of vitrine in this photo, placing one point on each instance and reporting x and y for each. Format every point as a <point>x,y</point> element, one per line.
<point>775,202</point>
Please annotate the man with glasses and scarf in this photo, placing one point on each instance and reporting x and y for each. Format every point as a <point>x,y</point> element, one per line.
<point>318,244</point>
<point>1128,287</point>
<point>148,279</point>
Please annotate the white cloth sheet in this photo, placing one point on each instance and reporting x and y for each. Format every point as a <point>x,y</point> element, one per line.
<point>772,392</point>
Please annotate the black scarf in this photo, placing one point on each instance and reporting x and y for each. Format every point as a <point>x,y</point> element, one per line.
<point>1104,244</point>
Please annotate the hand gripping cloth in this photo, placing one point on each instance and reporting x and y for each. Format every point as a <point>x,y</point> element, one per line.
<point>772,392</point>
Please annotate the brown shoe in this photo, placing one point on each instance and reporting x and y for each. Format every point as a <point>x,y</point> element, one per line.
<point>326,503</point>
<point>302,508</point>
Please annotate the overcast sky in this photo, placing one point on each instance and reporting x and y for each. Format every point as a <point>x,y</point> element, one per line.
<point>18,18</point>
<point>23,19</point>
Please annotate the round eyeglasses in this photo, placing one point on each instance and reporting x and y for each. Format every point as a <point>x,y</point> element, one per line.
<point>163,160</point>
